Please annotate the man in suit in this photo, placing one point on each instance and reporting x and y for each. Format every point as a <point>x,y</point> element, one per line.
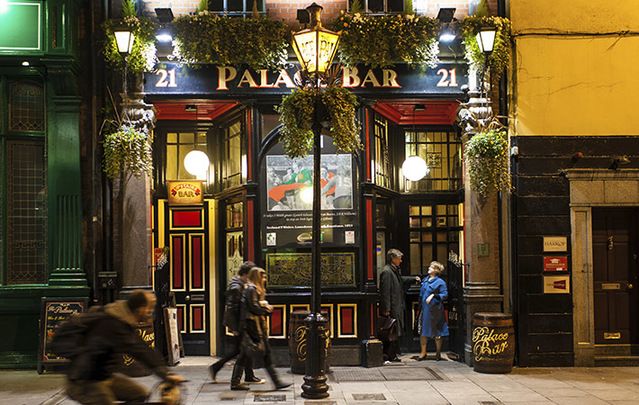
<point>392,298</point>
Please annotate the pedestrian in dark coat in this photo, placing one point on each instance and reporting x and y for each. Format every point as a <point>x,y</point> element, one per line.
<point>254,313</point>
<point>90,376</point>
<point>232,308</point>
<point>392,298</point>
<point>431,298</point>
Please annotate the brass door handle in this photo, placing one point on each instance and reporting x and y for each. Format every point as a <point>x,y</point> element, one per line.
<point>630,286</point>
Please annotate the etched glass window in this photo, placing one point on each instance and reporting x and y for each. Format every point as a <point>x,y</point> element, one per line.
<point>26,107</point>
<point>26,213</point>
<point>442,152</point>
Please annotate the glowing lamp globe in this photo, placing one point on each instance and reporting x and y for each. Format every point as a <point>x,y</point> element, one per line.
<point>306,195</point>
<point>414,168</point>
<point>486,39</point>
<point>124,39</point>
<point>196,163</point>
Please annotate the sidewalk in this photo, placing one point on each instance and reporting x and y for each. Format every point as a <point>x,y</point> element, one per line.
<point>406,383</point>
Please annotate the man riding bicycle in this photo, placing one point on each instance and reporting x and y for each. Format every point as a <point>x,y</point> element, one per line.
<point>90,379</point>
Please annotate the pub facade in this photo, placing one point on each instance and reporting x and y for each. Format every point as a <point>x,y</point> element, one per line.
<point>256,205</point>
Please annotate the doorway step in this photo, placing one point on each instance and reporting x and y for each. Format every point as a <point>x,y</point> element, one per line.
<point>623,355</point>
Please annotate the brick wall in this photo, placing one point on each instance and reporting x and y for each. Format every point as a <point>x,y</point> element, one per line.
<point>179,7</point>
<point>287,9</point>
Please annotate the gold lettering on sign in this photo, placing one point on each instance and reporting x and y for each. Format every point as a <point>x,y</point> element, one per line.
<point>488,343</point>
<point>225,75</point>
<point>389,78</point>
<point>370,78</point>
<point>285,79</point>
<point>248,79</point>
<point>350,78</point>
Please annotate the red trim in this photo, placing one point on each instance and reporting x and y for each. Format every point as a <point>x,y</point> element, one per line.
<point>402,112</point>
<point>198,110</point>
<point>197,261</point>
<point>250,253</point>
<point>348,328</point>
<point>177,263</point>
<point>198,318</point>
<point>367,127</point>
<point>180,319</point>
<point>372,324</point>
<point>249,154</point>
<point>187,219</point>
<point>277,324</point>
<point>369,237</point>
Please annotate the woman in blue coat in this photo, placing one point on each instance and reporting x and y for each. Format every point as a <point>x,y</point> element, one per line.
<point>431,297</point>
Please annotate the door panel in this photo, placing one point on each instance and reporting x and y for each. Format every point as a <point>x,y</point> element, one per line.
<point>189,275</point>
<point>615,275</point>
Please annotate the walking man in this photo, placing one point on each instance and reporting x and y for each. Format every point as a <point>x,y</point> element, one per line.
<point>232,307</point>
<point>392,298</point>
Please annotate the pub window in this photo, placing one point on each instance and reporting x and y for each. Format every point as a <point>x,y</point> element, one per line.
<point>178,144</point>
<point>234,238</point>
<point>26,107</point>
<point>381,163</point>
<point>268,122</point>
<point>442,152</point>
<point>434,232</point>
<point>379,6</point>
<point>236,7</point>
<point>232,166</point>
<point>26,199</point>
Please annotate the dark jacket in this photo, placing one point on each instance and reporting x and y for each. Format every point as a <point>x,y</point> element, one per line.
<point>233,304</point>
<point>392,295</point>
<point>253,315</point>
<point>107,340</point>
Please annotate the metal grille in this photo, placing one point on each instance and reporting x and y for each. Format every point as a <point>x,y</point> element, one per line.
<point>397,373</point>
<point>26,107</point>
<point>26,212</point>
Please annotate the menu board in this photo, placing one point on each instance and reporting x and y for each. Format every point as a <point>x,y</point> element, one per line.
<point>55,311</point>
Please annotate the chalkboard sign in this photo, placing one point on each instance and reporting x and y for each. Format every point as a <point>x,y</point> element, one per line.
<point>55,311</point>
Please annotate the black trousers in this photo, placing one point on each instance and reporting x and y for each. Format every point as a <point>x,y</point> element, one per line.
<point>245,358</point>
<point>233,351</point>
<point>391,349</point>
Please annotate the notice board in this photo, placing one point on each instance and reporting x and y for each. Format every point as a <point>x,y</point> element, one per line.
<point>53,312</point>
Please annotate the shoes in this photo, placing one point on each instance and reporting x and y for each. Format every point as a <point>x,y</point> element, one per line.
<point>438,357</point>
<point>239,387</point>
<point>254,380</point>
<point>213,372</point>
<point>396,360</point>
<point>386,363</point>
<point>419,358</point>
<point>281,385</point>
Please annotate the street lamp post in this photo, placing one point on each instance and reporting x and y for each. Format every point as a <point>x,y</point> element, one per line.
<point>124,39</point>
<point>315,48</point>
<point>486,41</point>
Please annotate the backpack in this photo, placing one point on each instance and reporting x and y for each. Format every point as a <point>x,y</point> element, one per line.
<point>68,340</point>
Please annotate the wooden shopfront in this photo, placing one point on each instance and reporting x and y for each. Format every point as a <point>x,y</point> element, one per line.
<point>255,203</point>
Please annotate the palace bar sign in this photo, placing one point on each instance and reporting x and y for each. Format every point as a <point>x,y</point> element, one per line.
<point>446,79</point>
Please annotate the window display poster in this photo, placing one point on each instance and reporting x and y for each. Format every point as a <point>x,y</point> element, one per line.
<point>288,199</point>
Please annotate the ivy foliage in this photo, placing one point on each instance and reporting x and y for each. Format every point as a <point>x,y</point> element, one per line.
<point>487,159</point>
<point>127,150</point>
<point>208,38</point>
<point>142,57</point>
<point>499,59</point>
<point>336,106</point>
<point>382,41</point>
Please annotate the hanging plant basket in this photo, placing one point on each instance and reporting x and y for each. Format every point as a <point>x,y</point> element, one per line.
<point>127,150</point>
<point>487,159</point>
<point>142,57</point>
<point>382,41</point>
<point>205,38</point>
<point>499,59</point>
<point>337,111</point>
